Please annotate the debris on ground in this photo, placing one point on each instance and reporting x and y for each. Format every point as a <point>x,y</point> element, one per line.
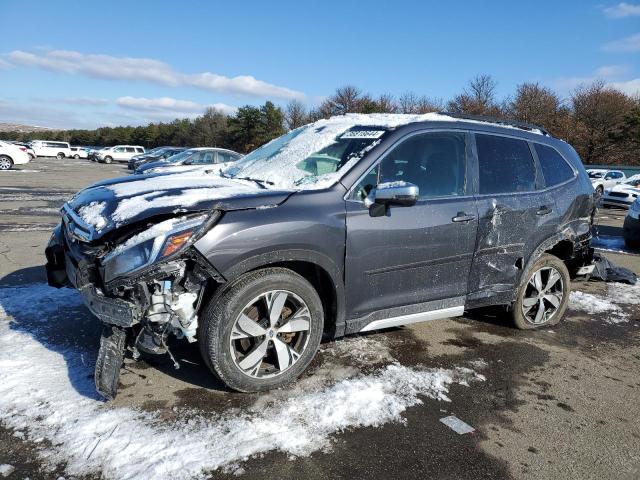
<point>6,470</point>
<point>457,425</point>
<point>607,271</point>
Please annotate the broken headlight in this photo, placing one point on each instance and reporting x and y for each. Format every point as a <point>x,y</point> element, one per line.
<point>158,242</point>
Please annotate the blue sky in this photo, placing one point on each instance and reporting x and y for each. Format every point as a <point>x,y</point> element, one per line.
<point>85,64</point>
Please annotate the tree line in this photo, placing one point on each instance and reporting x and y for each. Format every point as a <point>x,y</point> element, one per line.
<point>602,123</point>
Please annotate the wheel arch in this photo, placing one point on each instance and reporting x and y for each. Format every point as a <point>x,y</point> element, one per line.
<point>316,268</point>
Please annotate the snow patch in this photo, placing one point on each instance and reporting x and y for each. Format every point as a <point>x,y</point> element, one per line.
<point>92,214</point>
<point>6,470</point>
<point>58,404</point>
<point>595,305</point>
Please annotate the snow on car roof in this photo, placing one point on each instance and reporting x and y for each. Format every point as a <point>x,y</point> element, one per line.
<point>316,136</point>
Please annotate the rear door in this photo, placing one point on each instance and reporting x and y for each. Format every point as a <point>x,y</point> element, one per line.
<point>416,254</point>
<point>515,213</point>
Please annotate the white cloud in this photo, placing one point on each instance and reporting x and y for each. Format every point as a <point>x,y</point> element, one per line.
<point>608,71</point>
<point>147,70</point>
<point>627,44</point>
<point>88,101</point>
<point>168,104</point>
<point>605,72</point>
<point>630,87</point>
<point>622,10</point>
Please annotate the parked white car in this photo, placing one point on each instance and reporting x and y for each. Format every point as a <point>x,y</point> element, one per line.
<point>207,158</point>
<point>46,148</point>
<point>79,152</point>
<point>603,179</point>
<point>623,194</point>
<point>11,155</point>
<point>118,153</point>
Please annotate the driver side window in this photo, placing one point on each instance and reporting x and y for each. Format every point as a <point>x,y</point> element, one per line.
<point>435,162</point>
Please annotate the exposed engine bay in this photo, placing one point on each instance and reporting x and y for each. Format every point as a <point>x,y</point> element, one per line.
<point>145,285</point>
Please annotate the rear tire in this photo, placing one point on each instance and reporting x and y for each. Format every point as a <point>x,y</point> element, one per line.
<point>262,331</point>
<point>543,294</point>
<point>599,190</point>
<point>5,162</point>
<point>76,156</point>
<point>60,156</point>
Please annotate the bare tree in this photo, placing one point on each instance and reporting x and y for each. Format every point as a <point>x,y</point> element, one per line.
<point>295,114</point>
<point>479,98</point>
<point>600,113</point>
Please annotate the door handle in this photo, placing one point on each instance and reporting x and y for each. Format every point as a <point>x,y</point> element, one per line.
<point>462,217</point>
<point>543,210</point>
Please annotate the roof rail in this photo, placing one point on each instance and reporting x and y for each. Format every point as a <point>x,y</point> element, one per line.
<point>499,121</point>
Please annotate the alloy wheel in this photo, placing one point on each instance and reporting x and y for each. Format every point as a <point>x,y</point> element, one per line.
<point>270,334</point>
<point>543,296</point>
<point>5,163</point>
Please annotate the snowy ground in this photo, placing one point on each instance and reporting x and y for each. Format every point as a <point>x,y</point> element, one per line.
<point>59,408</point>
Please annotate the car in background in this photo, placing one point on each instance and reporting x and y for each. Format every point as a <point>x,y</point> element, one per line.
<point>602,179</point>
<point>11,155</point>
<point>143,155</point>
<point>631,226</point>
<point>30,152</point>
<point>158,155</point>
<point>622,194</point>
<point>79,152</point>
<point>46,148</point>
<point>92,153</point>
<point>118,153</point>
<point>191,159</point>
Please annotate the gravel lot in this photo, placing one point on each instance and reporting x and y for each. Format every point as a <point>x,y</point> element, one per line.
<point>559,403</point>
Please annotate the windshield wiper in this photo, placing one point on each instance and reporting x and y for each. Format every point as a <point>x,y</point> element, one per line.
<point>256,180</point>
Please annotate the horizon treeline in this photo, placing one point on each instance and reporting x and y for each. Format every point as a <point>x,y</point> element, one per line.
<point>602,123</point>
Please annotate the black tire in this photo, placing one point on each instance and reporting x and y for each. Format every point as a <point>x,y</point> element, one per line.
<point>76,156</point>
<point>60,156</point>
<point>6,163</point>
<point>599,190</point>
<point>632,244</point>
<point>108,159</point>
<point>526,289</point>
<point>31,157</point>
<point>219,317</point>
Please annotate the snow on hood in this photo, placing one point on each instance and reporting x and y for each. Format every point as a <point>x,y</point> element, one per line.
<point>113,203</point>
<point>309,139</point>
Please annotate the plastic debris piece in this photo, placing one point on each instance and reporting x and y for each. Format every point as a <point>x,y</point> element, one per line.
<point>457,425</point>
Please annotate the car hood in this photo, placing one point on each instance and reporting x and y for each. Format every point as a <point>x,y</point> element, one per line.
<point>625,189</point>
<point>108,205</point>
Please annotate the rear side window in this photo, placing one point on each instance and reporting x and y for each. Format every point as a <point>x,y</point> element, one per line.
<point>555,168</point>
<point>505,164</point>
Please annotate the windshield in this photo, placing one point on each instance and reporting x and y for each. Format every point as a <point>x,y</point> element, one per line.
<point>309,156</point>
<point>179,157</point>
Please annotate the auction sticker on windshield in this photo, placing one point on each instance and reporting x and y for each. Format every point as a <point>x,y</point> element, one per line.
<point>363,134</point>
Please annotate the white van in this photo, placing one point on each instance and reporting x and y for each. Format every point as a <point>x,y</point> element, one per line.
<point>119,153</point>
<point>46,148</point>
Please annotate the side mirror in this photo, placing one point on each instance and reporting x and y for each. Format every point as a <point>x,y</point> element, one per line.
<point>403,194</point>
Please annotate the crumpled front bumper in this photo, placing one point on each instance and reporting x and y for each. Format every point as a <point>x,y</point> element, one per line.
<point>62,271</point>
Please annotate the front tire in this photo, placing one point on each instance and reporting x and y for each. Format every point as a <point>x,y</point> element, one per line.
<point>108,159</point>
<point>76,156</point>
<point>599,190</point>
<point>543,294</point>
<point>262,331</point>
<point>5,162</point>
<point>60,156</point>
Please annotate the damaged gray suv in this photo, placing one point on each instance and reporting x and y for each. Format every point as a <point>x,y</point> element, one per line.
<point>346,225</point>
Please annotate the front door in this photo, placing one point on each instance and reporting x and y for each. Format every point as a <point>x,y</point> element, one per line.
<point>419,253</point>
